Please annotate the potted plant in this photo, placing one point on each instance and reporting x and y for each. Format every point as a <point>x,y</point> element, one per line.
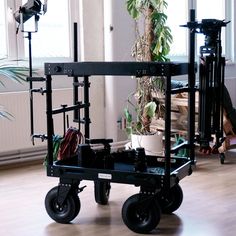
<point>153,39</point>
<point>14,73</point>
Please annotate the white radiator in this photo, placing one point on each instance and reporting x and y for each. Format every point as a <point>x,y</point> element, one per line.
<point>15,138</point>
<point>23,155</point>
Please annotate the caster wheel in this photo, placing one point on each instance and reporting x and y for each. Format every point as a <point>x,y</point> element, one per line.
<point>102,192</point>
<point>65,213</point>
<point>222,158</point>
<point>140,215</point>
<point>173,201</point>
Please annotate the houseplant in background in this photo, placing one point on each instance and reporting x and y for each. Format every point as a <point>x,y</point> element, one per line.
<point>153,39</point>
<point>15,73</point>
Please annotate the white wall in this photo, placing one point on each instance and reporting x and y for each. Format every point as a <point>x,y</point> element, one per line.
<point>15,133</point>
<point>92,49</point>
<point>119,37</point>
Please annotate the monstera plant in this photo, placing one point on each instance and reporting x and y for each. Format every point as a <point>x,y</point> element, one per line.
<point>153,40</point>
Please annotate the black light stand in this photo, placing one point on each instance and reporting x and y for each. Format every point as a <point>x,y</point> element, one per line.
<point>31,84</point>
<point>21,16</point>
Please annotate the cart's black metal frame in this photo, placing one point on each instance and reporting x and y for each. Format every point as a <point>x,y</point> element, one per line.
<point>87,69</point>
<point>157,177</point>
<point>161,174</point>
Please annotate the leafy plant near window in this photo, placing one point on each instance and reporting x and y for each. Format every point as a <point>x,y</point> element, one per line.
<point>14,73</point>
<point>153,40</point>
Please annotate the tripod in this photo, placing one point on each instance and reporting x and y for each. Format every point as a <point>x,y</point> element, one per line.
<point>211,85</point>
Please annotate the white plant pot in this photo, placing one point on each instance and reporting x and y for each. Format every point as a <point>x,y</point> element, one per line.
<point>153,144</point>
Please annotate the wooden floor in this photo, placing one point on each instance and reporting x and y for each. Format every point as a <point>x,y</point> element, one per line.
<point>208,209</point>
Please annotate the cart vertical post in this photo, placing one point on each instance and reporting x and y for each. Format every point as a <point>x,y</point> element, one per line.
<point>75,79</point>
<point>167,129</point>
<point>49,120</point>
<point>191,84</point>
<point>86,108</point>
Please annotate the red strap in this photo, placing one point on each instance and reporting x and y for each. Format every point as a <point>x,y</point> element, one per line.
<point>69,144</point>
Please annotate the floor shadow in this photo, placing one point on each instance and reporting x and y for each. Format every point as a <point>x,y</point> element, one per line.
<point>169,225</point>
<point>53,229</point>
<point>102,215</point>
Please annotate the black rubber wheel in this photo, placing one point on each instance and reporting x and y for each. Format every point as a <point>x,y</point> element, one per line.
<point>62,214</point>
<point>172,201</point>
<point>141,216</point>
<point>222,158</point>
<point>102,192</point>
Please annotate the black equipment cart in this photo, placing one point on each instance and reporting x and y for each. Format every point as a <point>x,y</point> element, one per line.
<point>158,178</point>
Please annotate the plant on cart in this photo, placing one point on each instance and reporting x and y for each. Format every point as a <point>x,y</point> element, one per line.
<point>153,39</point>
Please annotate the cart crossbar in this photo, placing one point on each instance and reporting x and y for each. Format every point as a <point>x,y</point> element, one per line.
<point>137,69</point>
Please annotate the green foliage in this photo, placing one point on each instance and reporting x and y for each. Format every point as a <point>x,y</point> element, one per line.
<point>150,109</point>
<point>162,40</point>
<point>57,139</point>
<point>138,127</point>
<point>128,116</point>
<point>153,44</point>
<point>16,74</point>
<point>133,8</point>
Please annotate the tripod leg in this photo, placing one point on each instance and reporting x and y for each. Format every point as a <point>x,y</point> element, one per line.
<point>205,104</point>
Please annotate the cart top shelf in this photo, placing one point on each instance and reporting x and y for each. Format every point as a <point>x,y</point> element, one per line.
<point>137,69</point>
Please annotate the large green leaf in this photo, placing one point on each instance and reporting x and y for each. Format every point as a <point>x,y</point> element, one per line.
<point>128,116</point>
<point>132,8</point>
<point>150,109</point>
<point>15,73</point>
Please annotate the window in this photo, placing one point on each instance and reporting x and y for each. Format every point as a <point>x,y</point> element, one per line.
<point>179,46</point>
<point>178,14</point>
<point>52,39</point>
<point>206,9</point>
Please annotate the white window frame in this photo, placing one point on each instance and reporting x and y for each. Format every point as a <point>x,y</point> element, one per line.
<point>230,12</point>
<point>15,51</point>
<point>15,43</point>
<point>231,30</point>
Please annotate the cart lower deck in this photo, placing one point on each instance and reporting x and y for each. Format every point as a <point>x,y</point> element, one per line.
<point>142,211</point>
<point>125,172</point>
